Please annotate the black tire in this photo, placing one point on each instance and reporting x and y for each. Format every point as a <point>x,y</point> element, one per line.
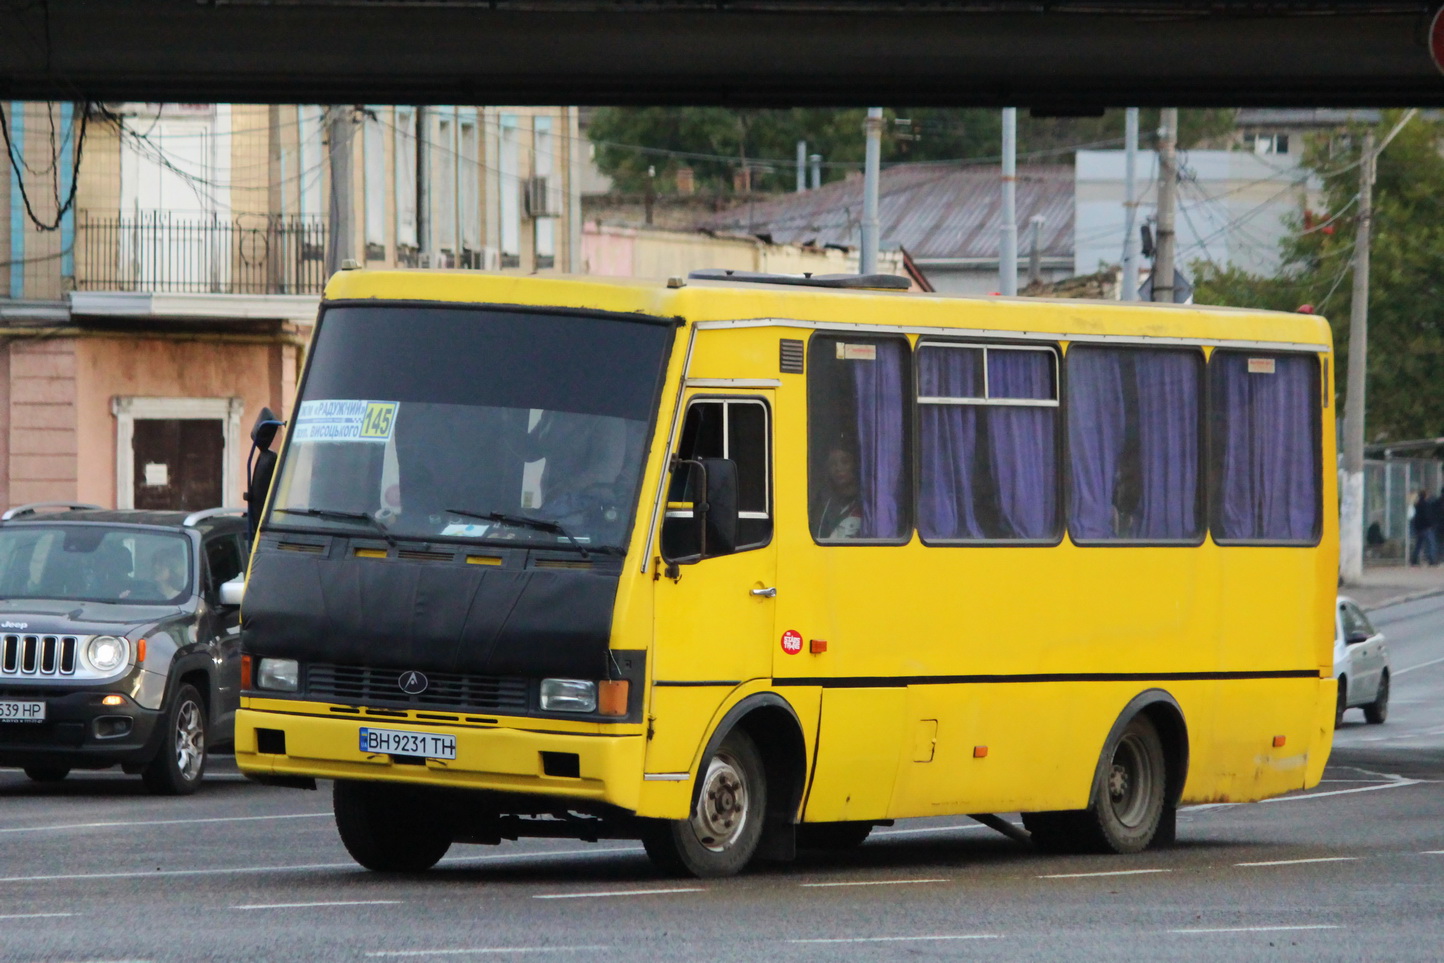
<point>385,828</point>
<point>1378,710</point>
<point>1343,702</point>
<point>721,837</point>
<point>47,773</point>
<point>180,763</point>
<point>832,836</point>
<point>1129,801</point>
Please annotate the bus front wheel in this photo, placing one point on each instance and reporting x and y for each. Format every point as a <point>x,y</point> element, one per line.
<point>384,829</point>
<point>722,834</point>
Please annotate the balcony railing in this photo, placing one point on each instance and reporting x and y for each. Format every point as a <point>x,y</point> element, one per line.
<point>164,251</point>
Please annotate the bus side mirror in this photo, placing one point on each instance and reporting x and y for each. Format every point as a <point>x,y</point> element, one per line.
<point>706,527</point>
<point>260,466</point>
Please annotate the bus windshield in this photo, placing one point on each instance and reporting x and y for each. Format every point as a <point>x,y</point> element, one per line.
<point>430,422</point>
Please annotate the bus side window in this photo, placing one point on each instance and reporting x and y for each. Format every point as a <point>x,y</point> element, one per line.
<point>737,430</point>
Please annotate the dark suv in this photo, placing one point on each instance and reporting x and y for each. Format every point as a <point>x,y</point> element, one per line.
<point>114,645</point>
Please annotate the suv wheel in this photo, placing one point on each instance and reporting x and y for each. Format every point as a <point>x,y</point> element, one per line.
<point>177,768</point>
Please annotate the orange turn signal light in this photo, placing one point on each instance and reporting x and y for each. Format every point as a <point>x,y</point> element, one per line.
<point>1279,741</point>
<point>246,672</point>
<point>980,752</point>
<point>113,700</point>
<point>818,646</point>
<point>140,651</point>
<point>612,697</point>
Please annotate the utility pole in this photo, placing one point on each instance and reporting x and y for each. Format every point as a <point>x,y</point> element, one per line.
<point>1008,242</point>
<point>872,164</point>
<point>1351,506</point>
<point>1167,192</point>
<point>801,166</point>
<point>343,219</point>
<point>1129,288</point>
<point>815,174</point>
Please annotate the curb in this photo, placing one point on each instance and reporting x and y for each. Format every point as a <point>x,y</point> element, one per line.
<point>1401,599</point>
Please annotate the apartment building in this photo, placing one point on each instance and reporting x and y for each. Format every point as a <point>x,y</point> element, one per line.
<point>148,318</point>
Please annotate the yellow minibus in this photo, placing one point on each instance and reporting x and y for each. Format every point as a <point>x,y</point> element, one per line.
<point>736,564</point>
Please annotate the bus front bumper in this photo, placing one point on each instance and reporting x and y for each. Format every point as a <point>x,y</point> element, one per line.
<point>290,747</point>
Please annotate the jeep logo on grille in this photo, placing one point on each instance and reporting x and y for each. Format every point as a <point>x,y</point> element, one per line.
<point>413,682</point>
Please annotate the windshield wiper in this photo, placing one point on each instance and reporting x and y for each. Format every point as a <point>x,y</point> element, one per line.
<point>338,515</point>
<point>524,521</point>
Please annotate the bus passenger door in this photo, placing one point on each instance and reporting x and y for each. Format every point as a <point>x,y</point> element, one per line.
<point>714,612</point>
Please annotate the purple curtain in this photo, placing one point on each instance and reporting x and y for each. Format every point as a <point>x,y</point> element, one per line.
<point>1022,442</point>
<point>948,446</point>
<point>1269,468</point>
<point>1168,399</point>
<point>1097,429</point>
<point>881,431</point>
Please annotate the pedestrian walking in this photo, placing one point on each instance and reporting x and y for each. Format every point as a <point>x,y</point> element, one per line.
<point>1422,527</point>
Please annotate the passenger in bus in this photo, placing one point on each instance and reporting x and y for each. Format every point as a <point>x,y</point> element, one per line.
<point>841,512</point>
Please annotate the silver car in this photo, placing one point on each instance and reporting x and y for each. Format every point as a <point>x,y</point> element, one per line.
<point>1361,664</point>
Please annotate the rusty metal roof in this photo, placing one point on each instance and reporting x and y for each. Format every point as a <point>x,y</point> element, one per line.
<point>933,211</point>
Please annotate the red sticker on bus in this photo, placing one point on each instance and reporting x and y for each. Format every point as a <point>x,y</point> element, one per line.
<point>791,642</point>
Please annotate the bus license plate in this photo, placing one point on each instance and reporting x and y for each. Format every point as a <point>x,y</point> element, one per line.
<point>11,711</point>
<point>400,742</point>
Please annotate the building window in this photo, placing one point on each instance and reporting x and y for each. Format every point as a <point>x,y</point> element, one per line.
<point>373,149</point>
<point>1134,434</point>
<point>511,188</point>
<point>858,449</point>
<point>987,442</point>
<point>543,152</point>
<point>405,148</point>
<point>1264,412</point>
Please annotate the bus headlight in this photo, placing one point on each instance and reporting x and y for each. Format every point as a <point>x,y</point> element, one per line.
<point>106,653</point>
<point>568,695</point>
<point>282,675</point>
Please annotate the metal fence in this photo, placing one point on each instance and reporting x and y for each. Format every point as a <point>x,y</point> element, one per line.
<point>197,253</point>
<point>1389,490</point>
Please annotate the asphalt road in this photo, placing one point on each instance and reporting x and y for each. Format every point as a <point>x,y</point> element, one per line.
<point>96,870</point>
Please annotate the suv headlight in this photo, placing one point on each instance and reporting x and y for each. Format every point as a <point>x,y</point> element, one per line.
<point>106,653</point>
<point>282,675</point>
<point>568,695</point>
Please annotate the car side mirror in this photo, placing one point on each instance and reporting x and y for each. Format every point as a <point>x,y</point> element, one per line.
<point>1354,638</point>
<point>233,591</point>
<point>263,432</point>
<point>707,527</point>
<point>260,466</point>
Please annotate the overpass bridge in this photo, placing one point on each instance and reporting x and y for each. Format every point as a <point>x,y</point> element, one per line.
<point>1061,56</point>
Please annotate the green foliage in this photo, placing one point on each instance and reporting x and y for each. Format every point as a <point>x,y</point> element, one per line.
<point>1406,338</point>
<point>716,142</point>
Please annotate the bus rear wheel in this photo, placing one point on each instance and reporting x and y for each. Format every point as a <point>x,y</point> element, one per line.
<point>386,830</point>
<point>1129,801</point>
<point>722,834</point>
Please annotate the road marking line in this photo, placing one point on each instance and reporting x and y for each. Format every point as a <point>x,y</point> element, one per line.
<point>621,892</point>
<point>342,902</point>
<point>928,829</point>
<point>1341,792</point>
<point>881,882</point>
<point>1255,929</point>
<point>1432,852</point>
<point>1115,872</point>
<point>457,863</point>
<point>1296,862</point>
<point>489,949</point>
<point>1421,665</point>
<point>903,939</point>
<point>33,916</point>
<point>157,822</point>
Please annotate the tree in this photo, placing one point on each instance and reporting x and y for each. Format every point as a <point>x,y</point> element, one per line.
<point>1406,333</point>
<point>638,145</point>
